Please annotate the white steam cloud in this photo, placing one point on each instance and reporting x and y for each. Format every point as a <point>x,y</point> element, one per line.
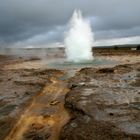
<point>79,39</point>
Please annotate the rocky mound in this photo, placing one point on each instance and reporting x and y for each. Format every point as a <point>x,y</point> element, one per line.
<point>104,103</point>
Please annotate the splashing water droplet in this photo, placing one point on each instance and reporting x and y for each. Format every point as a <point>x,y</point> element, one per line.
<point>79,39</point>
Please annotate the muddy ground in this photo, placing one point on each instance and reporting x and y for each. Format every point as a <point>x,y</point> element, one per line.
<point>38,103</point>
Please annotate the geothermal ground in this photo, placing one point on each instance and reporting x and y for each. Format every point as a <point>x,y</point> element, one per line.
<point>99,102</point>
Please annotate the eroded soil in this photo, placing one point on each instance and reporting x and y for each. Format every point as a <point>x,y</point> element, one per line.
<point>31,102</point>
<point>46,115</point>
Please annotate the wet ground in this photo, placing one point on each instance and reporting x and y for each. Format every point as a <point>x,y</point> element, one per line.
<point>45,116</point>
<point>31,99</point>
<point>101,101</point>
<point>105,104</point>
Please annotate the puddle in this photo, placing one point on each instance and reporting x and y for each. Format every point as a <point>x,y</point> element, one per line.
<point>63,64</point>
<point>69,74</point>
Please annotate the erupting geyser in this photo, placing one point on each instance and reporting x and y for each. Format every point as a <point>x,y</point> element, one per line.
<point>79,39</point>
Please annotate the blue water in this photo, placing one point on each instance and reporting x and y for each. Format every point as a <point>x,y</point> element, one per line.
<point>63,64</point>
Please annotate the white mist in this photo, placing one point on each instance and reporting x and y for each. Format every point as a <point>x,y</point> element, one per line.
<point>79,39</point>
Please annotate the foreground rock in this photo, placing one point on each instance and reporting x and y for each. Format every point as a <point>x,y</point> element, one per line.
<point>105,104</point>
<point>17,90</point>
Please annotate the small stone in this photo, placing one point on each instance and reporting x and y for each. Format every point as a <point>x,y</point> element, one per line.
<point>47,135</point>
<point>54,102</point>
<point>87,119</point>
<point>73,124</point>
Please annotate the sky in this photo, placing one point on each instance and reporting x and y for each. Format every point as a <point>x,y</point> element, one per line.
<point>43,23</point>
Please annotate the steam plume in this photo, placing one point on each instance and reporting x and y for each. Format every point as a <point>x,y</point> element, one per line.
<point>79,39</point>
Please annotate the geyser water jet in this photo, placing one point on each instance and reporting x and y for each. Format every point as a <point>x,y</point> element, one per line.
<point>79,39</point>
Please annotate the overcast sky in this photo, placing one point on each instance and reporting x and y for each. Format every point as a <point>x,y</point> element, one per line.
<point>27,23</point>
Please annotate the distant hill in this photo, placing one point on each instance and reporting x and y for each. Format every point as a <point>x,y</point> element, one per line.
<point>127,46</point>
